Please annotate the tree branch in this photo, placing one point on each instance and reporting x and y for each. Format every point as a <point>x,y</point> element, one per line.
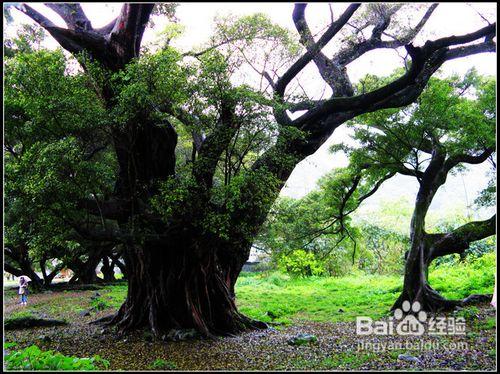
<point>310,54</point>
<point>215,144</point>
<point>113,45</point>
<point>331,72</point>
<point>460,239</point>
<point>72,14</point>
<point>453,161</point>
<point>348,55</point>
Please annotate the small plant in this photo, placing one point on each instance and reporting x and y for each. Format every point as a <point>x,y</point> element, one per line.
<point>32,358</point>
<point>99,304</point>
<point>488,324</point>
<point>469,313</point>
<point>20,315</point>
<point>161,364</point>
<point>350,360</point>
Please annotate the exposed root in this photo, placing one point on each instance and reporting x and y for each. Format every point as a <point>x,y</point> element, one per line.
<point>476,299</point>
<point>430,300</point>
<point>104,320</point>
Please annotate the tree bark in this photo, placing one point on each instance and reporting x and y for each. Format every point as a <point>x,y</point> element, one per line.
<point>427,247</point>
<point>107,270</point>
<point>48,278</point>
<point>20,256</point>
<point>85,271</point>
<point>174,285</point>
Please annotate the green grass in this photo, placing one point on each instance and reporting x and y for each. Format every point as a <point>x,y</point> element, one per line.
<point>21,314</point>
<point>280,298</point>
<point>460,280</point>
<point>115,294</point>
<point>489,324</point>
<point>347,360</point>
<point>161,364</point>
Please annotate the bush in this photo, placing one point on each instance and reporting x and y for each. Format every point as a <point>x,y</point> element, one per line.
<point>338,263</point>
<point>99,304</point>
<point>32,358</point>
<point>278,279</point>
<point>461,279</point>
<point>160,364</point>
<point>300,263</point>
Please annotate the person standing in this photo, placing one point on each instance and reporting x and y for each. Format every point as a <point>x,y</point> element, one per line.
<point>23,289</point>
<point>494,298</point>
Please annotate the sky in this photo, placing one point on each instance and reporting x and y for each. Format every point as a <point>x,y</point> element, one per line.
<point>448,19</point>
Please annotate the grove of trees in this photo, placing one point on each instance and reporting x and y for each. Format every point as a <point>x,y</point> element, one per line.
<point>450,126</point>
<point>159,157</point>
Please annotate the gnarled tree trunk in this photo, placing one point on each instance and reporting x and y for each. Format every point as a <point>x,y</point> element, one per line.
<point>178,276</point>
<point>177,284</point>
<point>107,270</point>
<point>427,247</point>
<point>19,263</point>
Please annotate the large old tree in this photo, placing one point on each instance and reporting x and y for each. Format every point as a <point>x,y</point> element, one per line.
<point>451,126</point>
<point>187,227</point>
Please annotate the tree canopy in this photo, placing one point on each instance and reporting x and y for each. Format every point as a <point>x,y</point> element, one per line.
<point>170,156</point>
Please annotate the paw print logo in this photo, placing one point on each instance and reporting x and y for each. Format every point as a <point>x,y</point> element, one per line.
<point>410,324</point>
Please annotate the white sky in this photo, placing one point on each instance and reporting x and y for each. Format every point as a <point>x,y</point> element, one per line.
<point>448,19</point>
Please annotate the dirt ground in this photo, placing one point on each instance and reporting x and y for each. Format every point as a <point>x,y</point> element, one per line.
<point>337,348</point>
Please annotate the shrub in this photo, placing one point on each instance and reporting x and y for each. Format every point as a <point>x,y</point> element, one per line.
<point>300,263</point>
<point>163,364</point>
<point>32,358</point>
<point>99,304</point>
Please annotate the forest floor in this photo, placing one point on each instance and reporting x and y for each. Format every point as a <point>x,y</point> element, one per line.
<point>325,310</point>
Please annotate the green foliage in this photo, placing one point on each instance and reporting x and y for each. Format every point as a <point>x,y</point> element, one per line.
<point>300,263</point>
<point>461,279</point>
<point>338,243</point>
<point>256,41</point>
<point>99,304</point>
<point>29,38</point>
<point>280,298</point>
<point>455,114</point>
<point>347,360</point>
<point>32,358</point>
<point>488,196</point>
<point>53,122</point>
<point>469,314</point>
<point>384,249</point>
<point>61,125</point>
<point>166,10</point>
<point>160,364</point>
<point>489,324</point>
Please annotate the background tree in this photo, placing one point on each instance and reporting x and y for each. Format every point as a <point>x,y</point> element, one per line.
<point>451,124</point>
<point>53,157</point>
<point>186,234</point>
<point>311,225</point>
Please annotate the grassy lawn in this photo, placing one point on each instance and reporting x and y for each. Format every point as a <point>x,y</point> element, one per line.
<point>277,297</point>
